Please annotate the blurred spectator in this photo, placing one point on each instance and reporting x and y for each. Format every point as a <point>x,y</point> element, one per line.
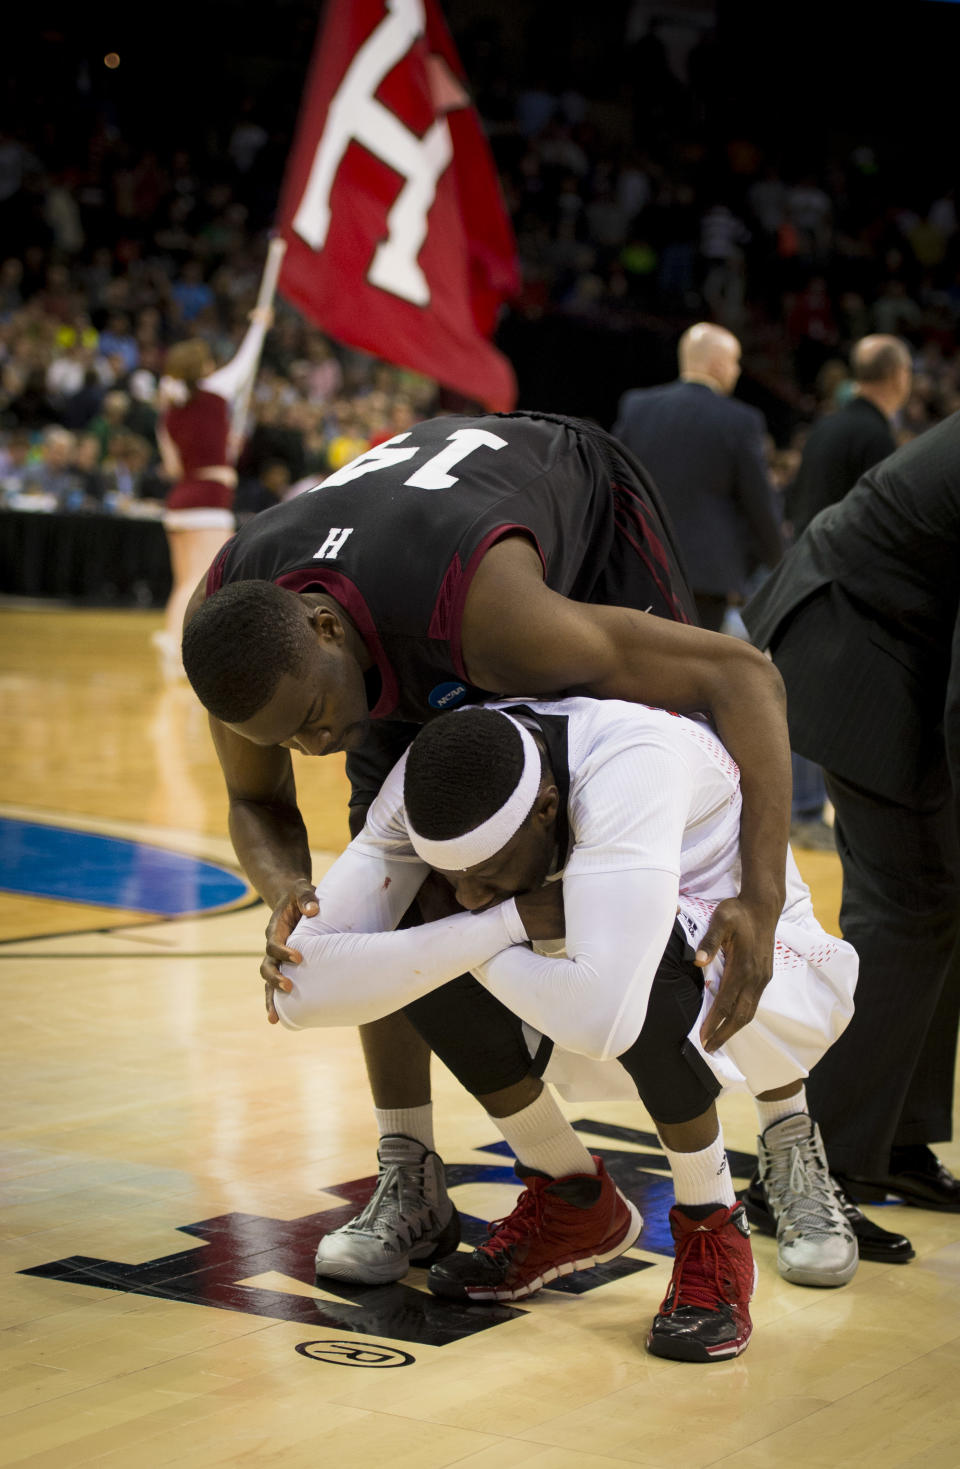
<point>51,482</point>
<point>402,418</point>
<point>812,325</point>
<point>768,202</point>
<point>67,374</point>
<point>809,210</point>
<point>324,375</point>
<point>24,400</point>
<point>254,495</point>
<point>86,463</point>
<point>246,140</point>
<point>190,294</point>
<point>723,237</point>
<point>707,456</point>
<point>843,445</point>
<point>840,448</point>
<point>348,441</point>
<point>111,418</point>
<point>117,341</point>
<point>274,437</point>
<point>14,461</point>
<point>141,417</point>
<point>11,278</point>
<point>894,313</point>
<point>127,473</point>
<point>76,410</point>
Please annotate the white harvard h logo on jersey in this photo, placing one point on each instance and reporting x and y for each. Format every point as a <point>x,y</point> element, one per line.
<point>333,545</point>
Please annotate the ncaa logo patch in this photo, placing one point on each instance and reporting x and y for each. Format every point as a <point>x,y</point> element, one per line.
<point>447,696</point>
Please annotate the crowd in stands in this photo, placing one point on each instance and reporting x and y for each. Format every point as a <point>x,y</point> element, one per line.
<point>113,252</point>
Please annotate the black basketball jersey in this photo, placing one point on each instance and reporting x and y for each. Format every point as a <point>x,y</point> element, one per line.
<point>397,535</point>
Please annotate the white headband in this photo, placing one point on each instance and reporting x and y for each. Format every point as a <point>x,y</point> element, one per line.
<point>456,854</point>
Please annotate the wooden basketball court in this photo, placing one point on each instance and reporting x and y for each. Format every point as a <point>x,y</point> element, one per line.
<point>169,1161</point>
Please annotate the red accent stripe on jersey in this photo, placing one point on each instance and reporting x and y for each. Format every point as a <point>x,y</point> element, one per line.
<point>446,597</point>
<point>638,511</point>
<point>458,592</point>
<point>344,592</point>
<point>215,574</point>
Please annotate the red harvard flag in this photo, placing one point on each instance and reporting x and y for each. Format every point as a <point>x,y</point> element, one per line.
<point>397,238</point>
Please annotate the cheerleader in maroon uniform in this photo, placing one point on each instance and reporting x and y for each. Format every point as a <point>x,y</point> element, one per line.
<point>199,446</point>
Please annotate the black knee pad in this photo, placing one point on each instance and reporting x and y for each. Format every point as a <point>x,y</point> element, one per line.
<point>476,1037</point>
<point>674,1081</point>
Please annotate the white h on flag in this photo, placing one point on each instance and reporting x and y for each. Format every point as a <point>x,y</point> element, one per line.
<point>355,115</point>
<point>397,238</point>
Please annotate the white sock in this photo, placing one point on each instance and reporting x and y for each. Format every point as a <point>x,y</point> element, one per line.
<point>415,1122</point>
<point>704,1177</point>
<point>770,1112</point>
<point>542,1138</point>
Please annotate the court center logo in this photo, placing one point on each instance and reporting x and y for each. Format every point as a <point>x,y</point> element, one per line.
<point>241,1260</point>
<point>354,1354</point>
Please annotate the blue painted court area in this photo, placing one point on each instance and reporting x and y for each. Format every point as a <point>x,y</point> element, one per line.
<point>82,867</point>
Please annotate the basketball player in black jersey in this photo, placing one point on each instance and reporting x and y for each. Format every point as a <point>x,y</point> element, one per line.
<point>510,554</point>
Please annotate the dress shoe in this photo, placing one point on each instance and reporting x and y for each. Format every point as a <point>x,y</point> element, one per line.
<point>916,1176</point>
<point>880,1245</point>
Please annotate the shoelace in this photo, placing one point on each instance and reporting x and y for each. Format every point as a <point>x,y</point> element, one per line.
<point>705,1272</point>
<point>525,1219</point>
<point>383,1214</point>
<point>804,1192</point>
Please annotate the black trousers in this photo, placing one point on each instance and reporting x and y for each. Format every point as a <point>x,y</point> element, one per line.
<point>482,1043</point>
<point>889,1078</point>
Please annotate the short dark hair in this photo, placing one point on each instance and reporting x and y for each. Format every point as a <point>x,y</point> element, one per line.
<point>240,643</point>
<point>461,768</point>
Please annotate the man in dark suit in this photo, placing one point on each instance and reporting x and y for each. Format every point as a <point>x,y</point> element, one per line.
<point>862,619</point>
<point>840,448</point>
<point>706,454</point>
<point>844,445</point>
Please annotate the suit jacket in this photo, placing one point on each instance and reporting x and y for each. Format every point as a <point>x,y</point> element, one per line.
<point>862,618</point>
<point>839,449</point>
<point>706,455</point>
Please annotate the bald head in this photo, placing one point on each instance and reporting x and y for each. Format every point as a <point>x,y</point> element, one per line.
<point>709,353</point>
<point>878,359</point>
<point>883,372</point>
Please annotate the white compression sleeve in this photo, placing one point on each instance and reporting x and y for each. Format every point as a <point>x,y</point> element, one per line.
<point>349,977</point>
<point>594,1002</point>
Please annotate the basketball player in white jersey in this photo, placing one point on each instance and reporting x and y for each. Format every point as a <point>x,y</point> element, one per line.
<point>636,811</point>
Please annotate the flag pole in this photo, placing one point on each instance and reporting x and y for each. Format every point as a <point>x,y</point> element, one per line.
<point>268,287</point>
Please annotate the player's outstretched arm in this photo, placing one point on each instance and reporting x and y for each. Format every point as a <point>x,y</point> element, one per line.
<point>520,637</point>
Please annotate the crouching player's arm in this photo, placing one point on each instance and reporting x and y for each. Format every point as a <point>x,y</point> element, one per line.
<point>620,889</point>
<point>354,967</point>
<point>353,971</point>
<point>595,1001</point>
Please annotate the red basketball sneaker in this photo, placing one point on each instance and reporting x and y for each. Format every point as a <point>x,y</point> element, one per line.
<point>705,1314</point>
<point>559,1225</point>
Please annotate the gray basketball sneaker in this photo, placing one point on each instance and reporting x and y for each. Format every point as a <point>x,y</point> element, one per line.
<point>815,1243</point>
<point>408,1220</point>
